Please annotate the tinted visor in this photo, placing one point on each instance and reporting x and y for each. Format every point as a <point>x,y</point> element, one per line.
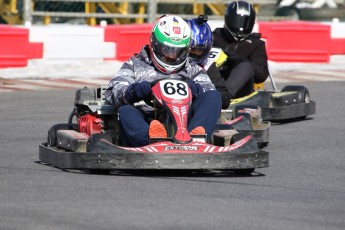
<point>199,55</point>
<point>196,53</point>
<point>172,55</point>
<point>235,22</point>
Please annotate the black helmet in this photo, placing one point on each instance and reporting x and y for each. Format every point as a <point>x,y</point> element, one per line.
<point>239,19</point>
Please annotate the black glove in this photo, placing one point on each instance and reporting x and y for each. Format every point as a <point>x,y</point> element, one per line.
<point>196,88</point>
<point>233,58</point>
<point>138,91</point>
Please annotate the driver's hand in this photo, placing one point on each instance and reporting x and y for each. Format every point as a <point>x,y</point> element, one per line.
<point>195,87</point>
<point>138,91</point>
<point>232,57</point>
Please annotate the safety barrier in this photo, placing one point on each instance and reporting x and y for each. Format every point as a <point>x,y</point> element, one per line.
<point>15,48</point>
<point>72,42</point>
<point>338,37</point>
<point>338,46</point>
<point>286,42</point>
<point>129,39</point>
<point>296,41</point>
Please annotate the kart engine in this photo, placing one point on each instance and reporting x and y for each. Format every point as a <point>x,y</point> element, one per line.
<point>93,114</point>
<point>90,124</point>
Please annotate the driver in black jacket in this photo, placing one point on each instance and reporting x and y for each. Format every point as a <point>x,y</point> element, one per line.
<point>246,61</point>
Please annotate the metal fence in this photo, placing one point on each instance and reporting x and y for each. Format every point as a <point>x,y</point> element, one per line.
<point>121,11</point>
<point>140,11</point>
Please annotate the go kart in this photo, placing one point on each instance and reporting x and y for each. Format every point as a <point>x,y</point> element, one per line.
<point>292,102</point>
<point>94,141</point>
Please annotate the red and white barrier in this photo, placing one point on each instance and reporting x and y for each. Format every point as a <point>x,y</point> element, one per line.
<point>296,41</point>
<point>338,37</point>
<point>129,39</point>
<point>15,47</point>
<point>286,41</point>
<point>72,42</point>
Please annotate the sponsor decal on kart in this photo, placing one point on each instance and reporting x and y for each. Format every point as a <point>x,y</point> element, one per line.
<point>182,148</point>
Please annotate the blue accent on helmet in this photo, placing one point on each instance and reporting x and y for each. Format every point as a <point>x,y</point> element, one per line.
<point>202,39</point>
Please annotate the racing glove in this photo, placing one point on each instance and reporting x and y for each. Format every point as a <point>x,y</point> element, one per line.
<point>196,88</point>
<point>233,58</point>
<point>138,91</point>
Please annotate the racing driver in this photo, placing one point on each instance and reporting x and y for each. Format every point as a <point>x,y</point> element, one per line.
<point>164,57</point>
<point>246,61</point>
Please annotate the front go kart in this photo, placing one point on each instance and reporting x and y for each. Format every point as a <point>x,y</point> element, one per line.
<point>94,141</point>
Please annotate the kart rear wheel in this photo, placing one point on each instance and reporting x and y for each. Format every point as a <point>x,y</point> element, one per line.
<point>303,93</point>
<point>52,133</point>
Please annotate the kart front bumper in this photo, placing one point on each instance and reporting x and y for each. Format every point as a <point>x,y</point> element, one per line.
<point>124,160</point>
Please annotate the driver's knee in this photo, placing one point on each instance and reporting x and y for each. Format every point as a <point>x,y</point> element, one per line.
<point>247,69</point>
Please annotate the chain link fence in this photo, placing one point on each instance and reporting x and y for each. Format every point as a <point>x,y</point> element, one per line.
<point>92,12</point>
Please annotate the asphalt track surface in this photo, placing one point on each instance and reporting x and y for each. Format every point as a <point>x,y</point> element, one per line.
<point>44,75</point>
<point>304,187</point>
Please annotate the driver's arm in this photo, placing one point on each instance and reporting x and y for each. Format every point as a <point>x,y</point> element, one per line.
<point>203,79</point>
<point>117,87</point>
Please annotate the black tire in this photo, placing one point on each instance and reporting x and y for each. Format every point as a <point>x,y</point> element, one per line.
<point>244,172</point>
<point>52,133</point>
<point>303,93</point>
<point>262,145</point>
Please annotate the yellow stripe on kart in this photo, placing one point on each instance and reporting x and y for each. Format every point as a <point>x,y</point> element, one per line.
<point>241,99</point>
<point>280,94</point>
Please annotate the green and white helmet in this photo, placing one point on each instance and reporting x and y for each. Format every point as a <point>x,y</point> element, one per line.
<point>169,43</point>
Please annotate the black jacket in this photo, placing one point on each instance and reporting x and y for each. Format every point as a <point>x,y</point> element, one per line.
<point>220,85</point>
<point>252,49</point>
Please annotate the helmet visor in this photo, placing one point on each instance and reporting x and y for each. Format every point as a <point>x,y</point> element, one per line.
<point>240,23</point>
<point>199,55</point>
<point>170,55</point>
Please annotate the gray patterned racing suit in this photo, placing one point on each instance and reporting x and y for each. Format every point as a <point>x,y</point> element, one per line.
<point>140,68</point>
